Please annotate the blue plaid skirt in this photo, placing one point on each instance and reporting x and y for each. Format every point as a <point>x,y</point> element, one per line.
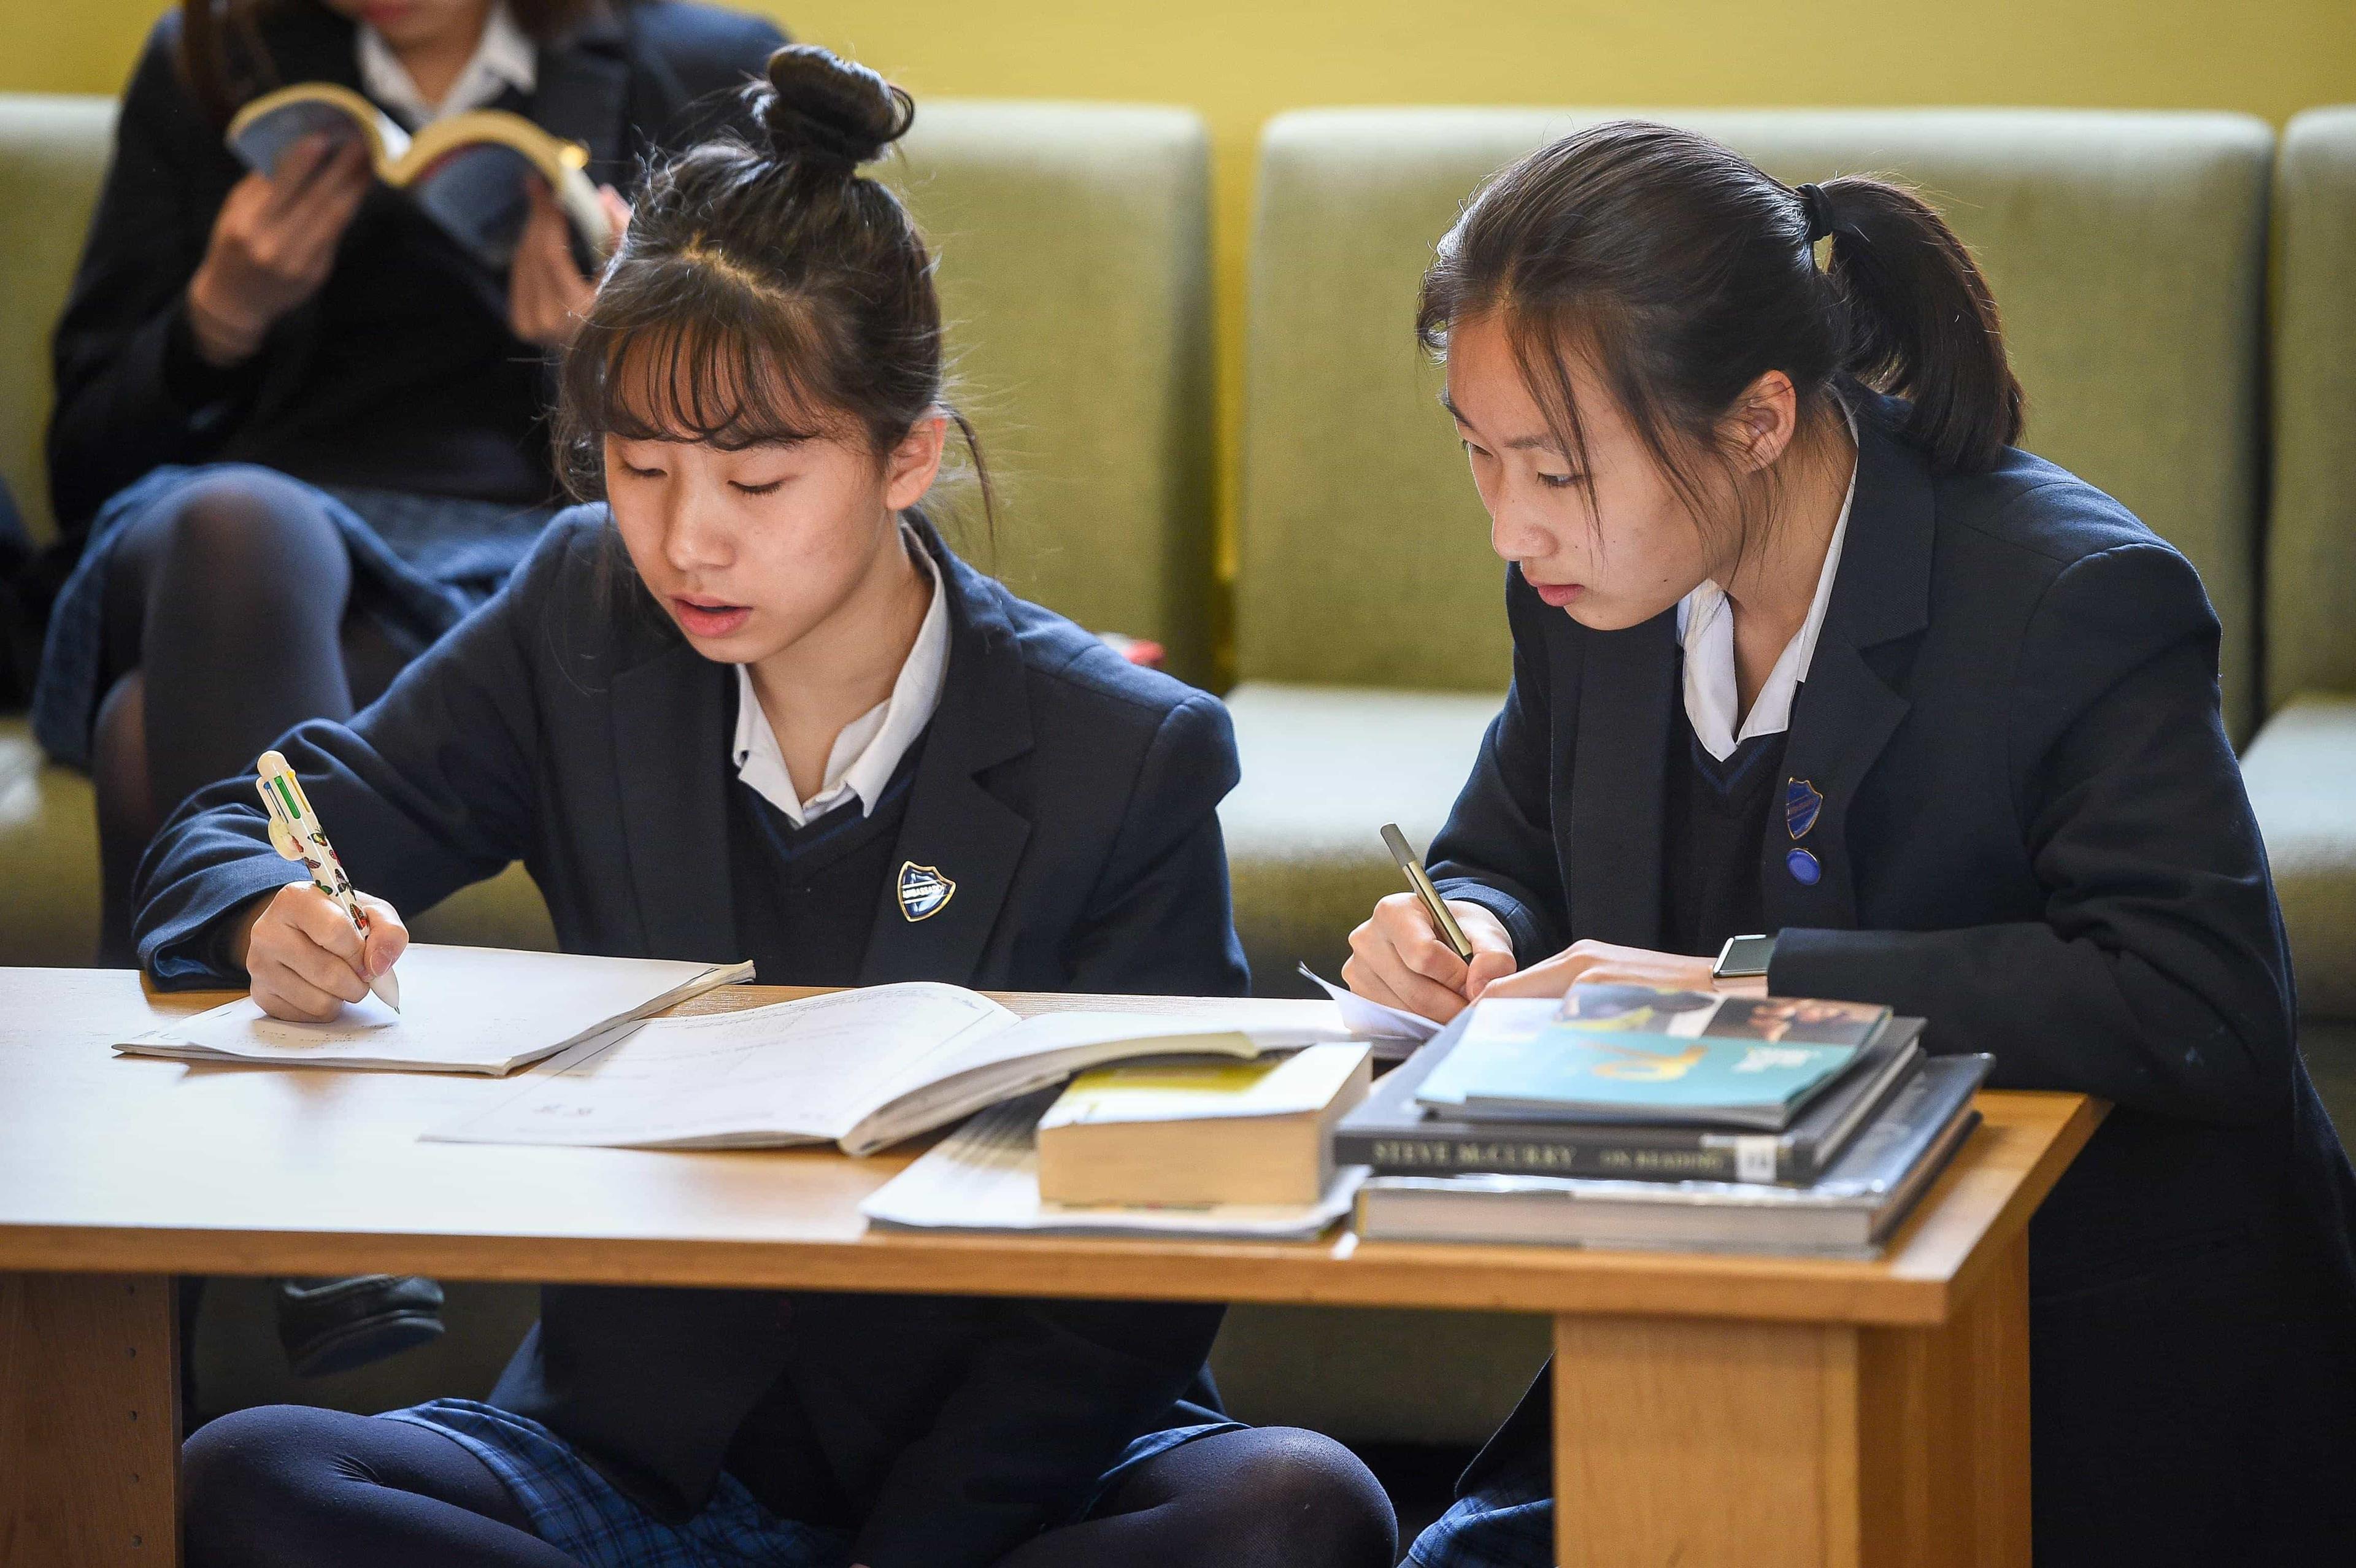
<point>578,1511</point>
<point>1506,1522</point>
<point>423,561</point>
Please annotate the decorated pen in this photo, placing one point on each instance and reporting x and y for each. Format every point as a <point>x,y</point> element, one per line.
<point>296,834</point>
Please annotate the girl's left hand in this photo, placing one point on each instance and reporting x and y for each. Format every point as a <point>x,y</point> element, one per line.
<point>1599,962</point>
<point>547,293</point>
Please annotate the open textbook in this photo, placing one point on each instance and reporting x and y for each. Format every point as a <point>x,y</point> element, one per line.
<point>985,1176</point>
<point>862,1069</point>
<point>466,1009</point>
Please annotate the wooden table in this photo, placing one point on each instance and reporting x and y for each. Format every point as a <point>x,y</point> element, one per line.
<point>1709,1409</point>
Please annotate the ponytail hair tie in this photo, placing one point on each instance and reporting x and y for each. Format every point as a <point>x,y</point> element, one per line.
<point>1816,211</point>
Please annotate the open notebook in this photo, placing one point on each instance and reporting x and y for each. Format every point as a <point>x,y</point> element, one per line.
<point>862,1069</point>
<point>464,1009</point>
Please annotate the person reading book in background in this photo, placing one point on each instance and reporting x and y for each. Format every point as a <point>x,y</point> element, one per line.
<point>751,702</point>
<point>299,427</point>
<point>1806,646</point>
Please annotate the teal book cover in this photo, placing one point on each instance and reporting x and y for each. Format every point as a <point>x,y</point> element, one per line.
<point>1631,1052</point>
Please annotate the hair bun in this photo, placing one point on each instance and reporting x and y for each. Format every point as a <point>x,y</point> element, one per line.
<point>823,109</point>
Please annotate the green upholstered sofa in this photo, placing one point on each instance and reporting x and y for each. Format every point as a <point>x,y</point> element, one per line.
<point>2302,767</point>
<point>2128,251</point>
<point>52,150</point>
<point>1074,271</point>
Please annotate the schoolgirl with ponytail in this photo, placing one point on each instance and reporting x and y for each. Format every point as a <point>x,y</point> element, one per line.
<point>747,701</point>
<point>1807,648</point>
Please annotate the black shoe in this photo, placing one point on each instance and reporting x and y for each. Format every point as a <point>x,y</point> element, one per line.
<point>335,1325</point>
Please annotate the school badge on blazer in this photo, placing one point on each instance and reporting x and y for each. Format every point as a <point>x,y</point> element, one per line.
<point>1802,805</point>
<point>924,891</point>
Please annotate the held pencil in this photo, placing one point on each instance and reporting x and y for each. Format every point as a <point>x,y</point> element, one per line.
<point>1418,882</point>
<point>296,833</point>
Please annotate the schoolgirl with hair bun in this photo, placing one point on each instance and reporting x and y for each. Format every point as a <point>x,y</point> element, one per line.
<point>746,700</point>
<point>1807,648</point>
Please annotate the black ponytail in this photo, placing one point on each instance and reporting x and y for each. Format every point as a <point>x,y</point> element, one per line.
<point>1682,274</point>
<point>1922,323</point>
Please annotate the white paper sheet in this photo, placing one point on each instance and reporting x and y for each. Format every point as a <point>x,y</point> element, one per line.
<point>1372,1020</point>
<point>985,1176</point>
<point>464,1009</point>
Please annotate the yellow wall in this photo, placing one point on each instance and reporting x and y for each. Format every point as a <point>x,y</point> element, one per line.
<point>1238,61</point>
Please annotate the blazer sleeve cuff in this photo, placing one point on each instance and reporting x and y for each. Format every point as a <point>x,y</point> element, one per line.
<point>1521,923</point>
<point>189,950</point>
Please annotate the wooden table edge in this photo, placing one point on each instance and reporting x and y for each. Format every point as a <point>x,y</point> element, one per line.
<point>1921,1289</point>
<point>2027,1197</point>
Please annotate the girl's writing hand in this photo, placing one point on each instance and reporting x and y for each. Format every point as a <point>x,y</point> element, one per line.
<point>273,244</point>
<point>1397,959</point>
<point>1594,963</point>
<point>306,957</point>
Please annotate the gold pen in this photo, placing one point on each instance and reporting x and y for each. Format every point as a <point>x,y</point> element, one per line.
<point>1419,881</point>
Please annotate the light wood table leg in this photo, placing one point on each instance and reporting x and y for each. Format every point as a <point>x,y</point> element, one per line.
<point>90,1448</point>
<point>1797,1445</point>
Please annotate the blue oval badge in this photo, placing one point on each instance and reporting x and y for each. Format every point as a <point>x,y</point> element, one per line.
<point>1803,868</point>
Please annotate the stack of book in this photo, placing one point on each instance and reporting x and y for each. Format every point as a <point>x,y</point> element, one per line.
<point>1626,1117</point>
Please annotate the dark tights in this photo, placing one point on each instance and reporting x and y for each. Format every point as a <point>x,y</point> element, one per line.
<point>290,1487</point>
<point>228,621</point>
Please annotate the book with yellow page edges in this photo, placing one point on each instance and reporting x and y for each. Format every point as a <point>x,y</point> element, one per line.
<point>467,171</point>
<point>1191,1133</point>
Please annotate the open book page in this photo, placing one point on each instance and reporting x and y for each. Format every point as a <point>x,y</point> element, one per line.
<point>863,1069</point>
<point>265,130</point>
<point>791,1072</point>
<point>464,1009</point>
<point>985,1176</point>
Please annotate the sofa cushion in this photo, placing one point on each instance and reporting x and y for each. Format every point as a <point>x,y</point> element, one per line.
<point>48,856</point>
<point>2311,531</point>
<point>505,912</point>
<point>1074,274</point>
<point>2127,251</point>
<point>1323,768</point>
<point>53,149</point>
<point>2301,773</point>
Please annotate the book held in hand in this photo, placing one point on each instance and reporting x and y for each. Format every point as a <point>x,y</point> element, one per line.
<point>1638,1054</point>
<point>1396,1135</point>
<point>468,172</point>
<point>1195,1133</point>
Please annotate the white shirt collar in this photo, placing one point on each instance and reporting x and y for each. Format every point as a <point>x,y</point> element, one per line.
<point>505,58</point>
<point>1705,628</point>
<point>868,750</point>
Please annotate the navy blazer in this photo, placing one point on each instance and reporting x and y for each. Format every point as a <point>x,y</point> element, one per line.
<point>2033,834</point>
<point>408,336</point>
<point>1071,797</point>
